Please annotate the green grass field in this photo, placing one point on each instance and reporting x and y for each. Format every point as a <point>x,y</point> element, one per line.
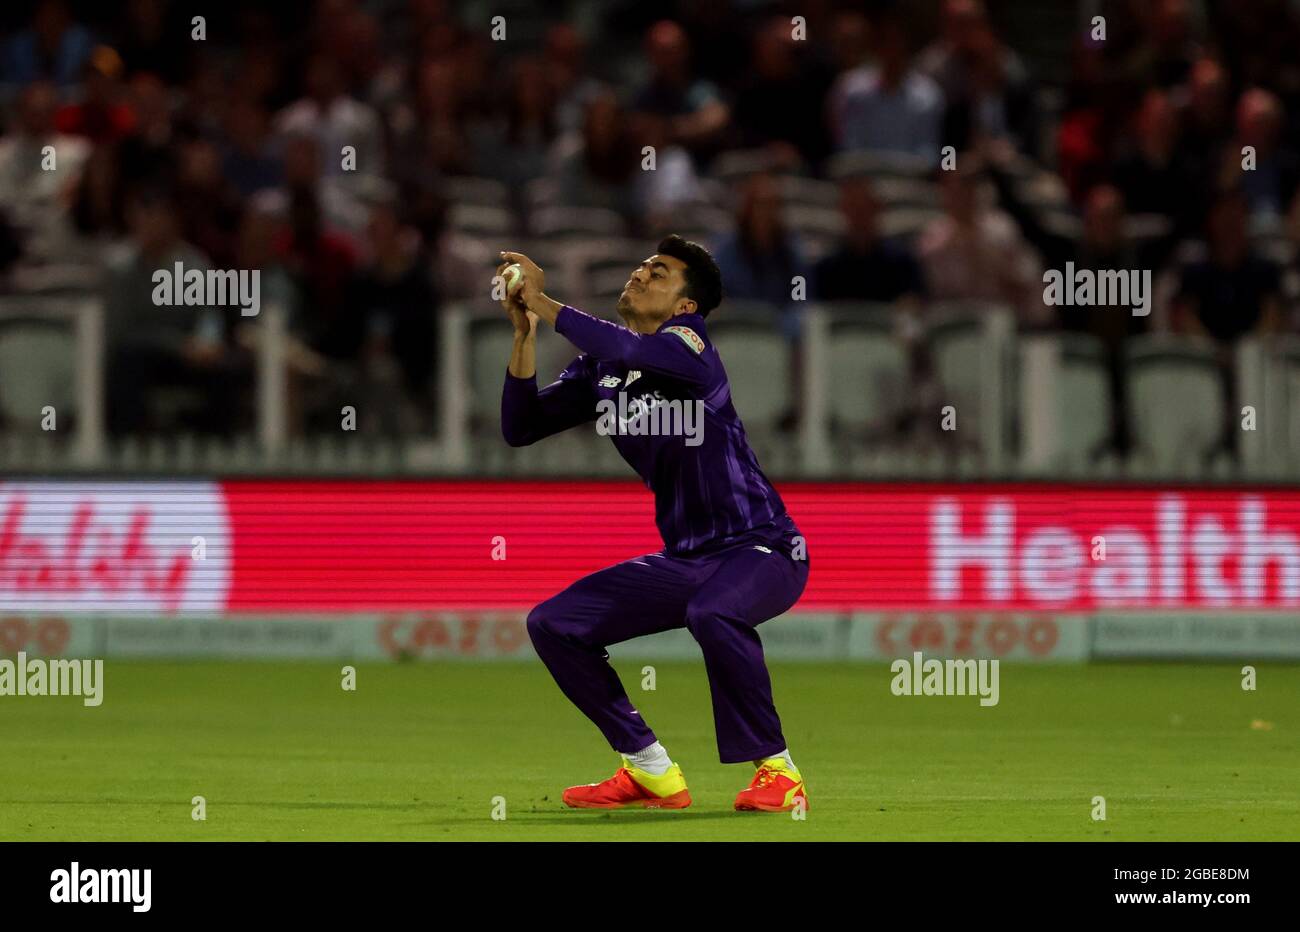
<point>418,752</point>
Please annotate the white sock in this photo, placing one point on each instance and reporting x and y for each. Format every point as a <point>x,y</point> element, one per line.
<point>652,759</point>
<point>784,754</point>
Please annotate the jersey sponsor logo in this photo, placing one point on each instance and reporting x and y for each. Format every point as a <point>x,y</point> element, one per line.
<point>689,337</point>
<point>610,381</point>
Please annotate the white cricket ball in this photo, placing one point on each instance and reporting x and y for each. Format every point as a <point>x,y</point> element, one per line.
<point>514,277</point>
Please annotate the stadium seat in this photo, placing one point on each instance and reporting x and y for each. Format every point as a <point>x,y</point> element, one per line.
<point>56,278</point>
<point>868,369</point>
<point>698,221</point>
<point>906,192</point>
<point>1146,227</point>
<point>554,352</point>
<point>37,368</point>
<point>606,253</point>
<point>1277,248</point>
<point>955,342</point>
<point>1283,357</point>
<point>795,189</point>
<point>1063,222</point>
<point>757,360</point>
<point>485,192</point>
<point>907,222</point>
<point>603,287</point>
<point>490,342</point>
<point>1043,190</point>
<point>1175,399</point>
<point>738,164</point>
<point>541,192</point>
<point>481,220</point>
<point>1083,397</point>
<point>605,259</point>
<point>878,164</point>
<point>576,222</point>
<point>1143,231</point>
<point>958,349</point>
<point>819,228</point>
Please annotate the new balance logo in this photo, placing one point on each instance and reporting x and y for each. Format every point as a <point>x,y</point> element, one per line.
<point>610,381</point>
<point>762,548</point>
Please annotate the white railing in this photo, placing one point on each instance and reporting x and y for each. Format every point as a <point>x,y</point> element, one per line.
<point>1268,379</point>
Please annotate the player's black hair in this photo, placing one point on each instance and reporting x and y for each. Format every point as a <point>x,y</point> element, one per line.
<point>703,278</point>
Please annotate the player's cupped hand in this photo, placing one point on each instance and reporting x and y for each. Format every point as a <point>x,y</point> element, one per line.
<point>523,320</point>
<point>533,274</point>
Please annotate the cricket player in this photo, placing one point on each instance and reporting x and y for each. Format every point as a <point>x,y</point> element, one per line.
<point>732,557</point>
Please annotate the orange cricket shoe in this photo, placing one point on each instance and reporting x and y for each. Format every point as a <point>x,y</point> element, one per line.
<point>776,787</point>
<point>631,786</point>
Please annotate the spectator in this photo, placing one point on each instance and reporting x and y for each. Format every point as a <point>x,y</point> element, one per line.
<point>149,154</point>
<point>341,208</point>
<point>1271,184</point>
<point>567,78</point>
<point>153,346</point>
<point>599,166</point>
<point>772,105</point>
<point>760,260</point>
<point>887,106</point>
<point>334,120</point>
<point>37,200</point>
<point>1207,117</point>
<point>513,147</point>
<point>250,158</point>
<point>428,132</point>
<point>1165,56</point>
<point>1232,292</point>
<point>665,195</point>
<point>102,116</point>
<point>985,86</point>
<point>1151,173</point>
<point>148,40</point>
<point>99,201</point>
<point>208,204</point>
<point>54,48</point>
<point>1102,247</point>
<point>395,308</point>
<point>866,266</point>
<point>457,263</point>
<point>974,252</point>
<point>691,111</point>
<point>1095,100</point>
<point>319,263</point>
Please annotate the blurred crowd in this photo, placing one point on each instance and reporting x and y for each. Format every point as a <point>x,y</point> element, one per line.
<point>345,149</point>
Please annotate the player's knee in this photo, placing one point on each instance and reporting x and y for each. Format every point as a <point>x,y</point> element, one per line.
<point>708,626</point>
<point>539,621</point>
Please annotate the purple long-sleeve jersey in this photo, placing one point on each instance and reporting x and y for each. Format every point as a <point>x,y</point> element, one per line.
<point>708,487</point>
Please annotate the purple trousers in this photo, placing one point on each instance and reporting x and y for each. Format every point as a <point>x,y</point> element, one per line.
<point>721,598</point>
